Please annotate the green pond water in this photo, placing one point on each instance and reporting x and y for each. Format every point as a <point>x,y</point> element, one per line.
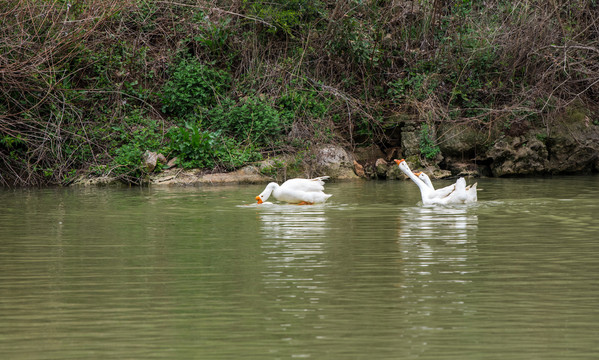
<point>205,273</point>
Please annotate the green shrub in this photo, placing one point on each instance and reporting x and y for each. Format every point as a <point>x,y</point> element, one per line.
<point>428,148</point>
<point>307,104</point>
<point>416,85</point>
<point>213,37</point>
<point>286,15</point>
<point>130,140</point>
<point>251,120</point>
<point>204,149</point>
<point>127,160</point>
<point>193,85</point>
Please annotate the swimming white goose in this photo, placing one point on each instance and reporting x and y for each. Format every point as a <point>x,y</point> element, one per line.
<point>441,193</point>
<point>296,191</point>
<point>458,196</point>
<point>471,190</point>
<point>472,193</point>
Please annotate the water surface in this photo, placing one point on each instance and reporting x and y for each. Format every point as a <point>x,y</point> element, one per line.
<point>203,272</point>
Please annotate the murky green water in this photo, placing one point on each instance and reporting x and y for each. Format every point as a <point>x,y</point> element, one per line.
<point>203,273</point>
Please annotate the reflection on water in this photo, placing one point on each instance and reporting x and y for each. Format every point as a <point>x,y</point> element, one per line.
<point>434,236</point>
<point>293,251</point>
<point>452,224</point>
<point>438,251</point>
<point>293,221</point>
<point>293,237</point>
<point>206,273</point>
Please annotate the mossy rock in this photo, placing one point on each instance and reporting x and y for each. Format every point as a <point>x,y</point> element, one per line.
<point>573,144</point>
<point>410,143</point>
<point>457,140</point>
<point>519,155</point>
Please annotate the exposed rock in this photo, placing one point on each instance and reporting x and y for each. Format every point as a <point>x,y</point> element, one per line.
<point>573,147</point>
<point>520,155</point>
<point>359,169</point>
<point>461,140</point>
<point>161,159</point>
<point>381,168</point>
<point>569,144</point>
<point>410,141</point>
<point>246,175</point>
<point>270,167</point>
<point>435,173</point>
<point>463,168</point>
<point>171,163</point>
<point>394,173</point>
<point>335,162</point>
<point>442,174</point>
<point>393,153</point>
<point>366,157</point>
<point>149,159</point>
<point>96,181</point>
<point>368,154</point>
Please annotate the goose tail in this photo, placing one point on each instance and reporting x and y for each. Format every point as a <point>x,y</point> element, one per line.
<point>321,178</point>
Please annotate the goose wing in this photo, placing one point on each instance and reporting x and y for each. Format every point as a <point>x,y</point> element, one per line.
<point>308,185</point>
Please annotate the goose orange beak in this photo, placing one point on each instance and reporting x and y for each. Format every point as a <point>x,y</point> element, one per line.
<point>417,173</point>
<point>259,200</point>
<point>399,161</point>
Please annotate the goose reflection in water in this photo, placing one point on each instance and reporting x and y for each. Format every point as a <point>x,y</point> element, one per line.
<point>293,221</point>
<point>438,248</point>
<point>293,238</point>
<point>451,224</point>
<point>294,235</point>
<point>433,235</point>
<point>294,256</point>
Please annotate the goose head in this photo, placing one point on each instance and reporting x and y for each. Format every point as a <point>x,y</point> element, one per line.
<point>264,195</point>
<point>424,189</point>
<point>402,165</point>
<point>422,176</point>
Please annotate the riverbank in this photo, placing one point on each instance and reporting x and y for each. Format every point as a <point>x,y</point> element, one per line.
<point>570,145</point>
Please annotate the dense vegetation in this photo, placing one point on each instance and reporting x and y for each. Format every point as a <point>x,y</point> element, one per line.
<point>90,85</point>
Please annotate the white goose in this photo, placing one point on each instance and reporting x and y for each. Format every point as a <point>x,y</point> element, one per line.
<point>296,191</point>
<point>471,190</point>
<point>458,196</point>
<point>441,193</point>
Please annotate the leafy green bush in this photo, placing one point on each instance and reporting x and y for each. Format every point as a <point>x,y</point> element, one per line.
<point>302,104</point>
<point>191,85</point>
<point>428,148</point>
<point>131,139</point>
<point>203,149</point>
<point>416,85</point>
<point>286,15</point>
<point>213,37</point>
<point>251,120</point>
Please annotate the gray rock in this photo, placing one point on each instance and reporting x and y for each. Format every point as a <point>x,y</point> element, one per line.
<point>410,141</point>
<point>245,175</point>
<point>335,161</point>
<point>368,154</point>
<point>573,147</point>
<point>520,155</point>
<point>381,168</point>
<point>394,173</point>
<point>149,159</point>
<point>456,140</point>
<point>171,163</point>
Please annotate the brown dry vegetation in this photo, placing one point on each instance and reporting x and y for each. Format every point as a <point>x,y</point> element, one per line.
<point>82,84</point>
